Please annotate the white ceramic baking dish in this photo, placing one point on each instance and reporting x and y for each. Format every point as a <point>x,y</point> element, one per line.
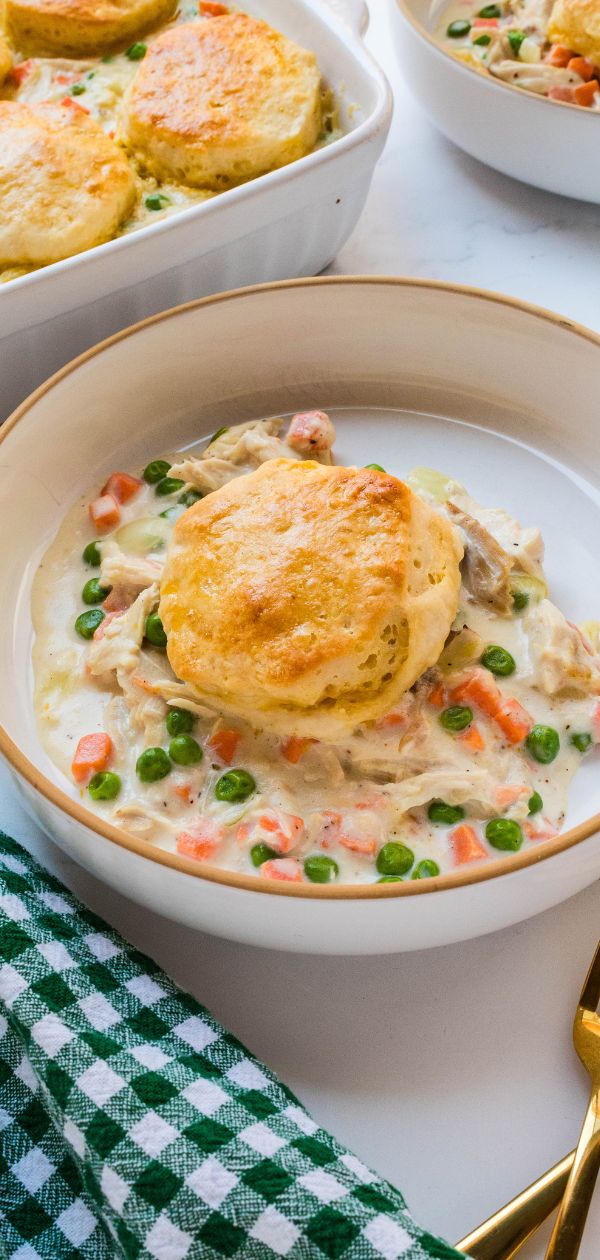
<point>393,361</point>
<point>291,222</point>
<point>541,142</point>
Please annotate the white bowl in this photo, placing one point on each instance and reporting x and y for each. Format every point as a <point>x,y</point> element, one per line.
<point>413,372</point>
<point>541,142</point>
<point>291,222</point>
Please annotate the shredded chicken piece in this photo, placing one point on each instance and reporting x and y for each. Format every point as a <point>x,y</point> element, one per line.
<point>179,694</point>
<point>485,567</point>
<point>561,663</point>
<point>119,646</point>
<point>234,443</point>
<point>243,445</point>
<point>537,77</point>
<point>119,569</point>
<point>142,821</point>
<point>145,712</point>
<point>322,763</point>
<point>475,787</point>
<point>524,546</point>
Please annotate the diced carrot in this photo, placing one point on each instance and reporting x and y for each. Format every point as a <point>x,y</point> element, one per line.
<point>507,793</point>
<point>122,486</point>
<point>201,841</point>
<point>466,845</point>
<point>71,103</point>
<point>561,94</point>
<point>483,22</point>
<point>356,844</point>
<point>329,833</point>
<point>224,742</point>
<point>472,738</point>
<point>93,754</point>
<point>514,721</point>
<point>286,869</point>
<point>559,56</point>
<point>104,512</point>
<point>372,801</point>
<point>144,685</point>
<point>63,78</point>
<point>546,832</point>
<point>480,689</point>
<point>210,8</point>
<point>294,748</point>
<point>585,93</point>
<point>437,696</point>
<point>19,73</point>
<point>117,601</point>
<point>282,831</point>
<point>582,67</point>
<point>183,790</point>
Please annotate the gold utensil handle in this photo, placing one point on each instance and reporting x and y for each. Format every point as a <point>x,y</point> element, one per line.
<point>506,1231</point>
<point>570,1222</point>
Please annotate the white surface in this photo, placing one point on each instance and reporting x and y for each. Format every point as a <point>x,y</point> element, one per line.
<point>452,1071</point>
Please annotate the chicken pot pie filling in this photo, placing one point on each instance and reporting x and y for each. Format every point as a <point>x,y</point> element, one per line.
<point>472,761</point>
<point>292,116</point>
<point>551,49</point>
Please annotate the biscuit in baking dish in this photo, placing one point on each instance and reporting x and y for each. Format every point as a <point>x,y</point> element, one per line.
<point>576,24</point>
<point>5,59</point>
<point>216,103</point>
<point>307,598</point>
<point>80,28</point>
<point>64,184</point>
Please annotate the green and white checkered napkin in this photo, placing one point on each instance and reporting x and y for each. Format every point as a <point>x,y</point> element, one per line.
<point>132,1125</point>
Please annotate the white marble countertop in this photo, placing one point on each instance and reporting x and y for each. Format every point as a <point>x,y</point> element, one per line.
<point>451,1072</point>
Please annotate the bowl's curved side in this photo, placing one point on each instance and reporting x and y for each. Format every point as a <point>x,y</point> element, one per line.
<point>522,135</point>
<point>322,926</point>
<point>343,341</point>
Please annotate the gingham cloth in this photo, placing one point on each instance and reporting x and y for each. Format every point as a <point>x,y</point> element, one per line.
<point>133,1125</point>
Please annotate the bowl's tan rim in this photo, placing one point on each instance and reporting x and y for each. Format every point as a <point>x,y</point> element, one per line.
<point>488,79</point>
<point>253,883</point>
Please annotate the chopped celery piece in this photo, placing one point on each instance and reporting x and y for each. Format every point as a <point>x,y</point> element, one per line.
<point>465,647</point>
<point>139,538</point>
<point>526,590</point>
<point>435,484</point>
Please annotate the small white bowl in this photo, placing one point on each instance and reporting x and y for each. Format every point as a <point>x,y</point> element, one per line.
<point>413,372</point>
<point>545,143</point>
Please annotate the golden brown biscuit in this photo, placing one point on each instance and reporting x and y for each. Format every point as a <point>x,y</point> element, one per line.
<point>215,103</point>
<point>80,28</point>
<point>5,59</point>
<point>576,24</point>
<point>307,597</point>
<point>64,184</point>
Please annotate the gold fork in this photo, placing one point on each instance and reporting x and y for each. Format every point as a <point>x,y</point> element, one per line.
<point>570,1222</point>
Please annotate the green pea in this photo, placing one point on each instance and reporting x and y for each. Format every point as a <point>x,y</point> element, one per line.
<point>218,434</point>
<point>155,631</point>
<point>156,201</point>
<point>490,11</point>
<point>77,89</point>
<point>190,496</point>
<point>425,869</point>
<point>456,718</point>
<point>235,785</point>
<point>87,622</point>
<point>260,853</point>
<point>394,859</point>
<point>390,879</point>
<point>377,467</point>
<point>483,40</point>
<point>94,592</point>
<point>515,39</point>
<point>581,741</point>
<point>543,743</point>
<point>498,661</point>
<point>520,600</point>
<point>152,765</point>
<point>180,721</point>
<point>458,28</point>
<point>320,870</point>
<point>185,750</point>
<point>504,833</point>
<point>155,471</point>
<point>136,52</point>
<point>439,812</point>
<point>168,485</point>
<point>535,803</point>
<point>91,555</point>
<point>104,786</point>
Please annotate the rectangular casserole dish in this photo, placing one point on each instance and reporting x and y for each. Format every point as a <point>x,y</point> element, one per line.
<point>289,223</point>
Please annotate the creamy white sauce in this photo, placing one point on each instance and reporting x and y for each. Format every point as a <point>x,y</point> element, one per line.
<point>380,780</point>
